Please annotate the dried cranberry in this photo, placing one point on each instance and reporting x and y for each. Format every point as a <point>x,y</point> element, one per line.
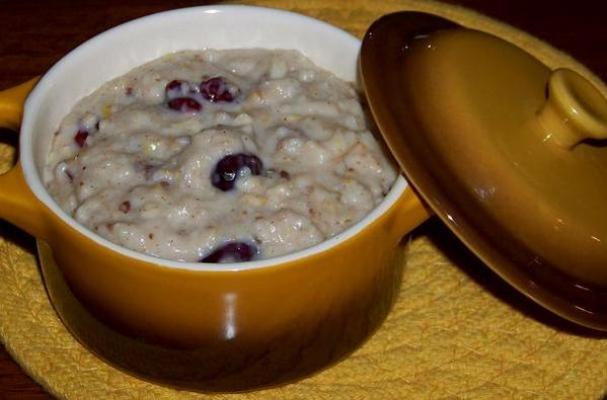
<point>173,85</point>
<point>178,88</point>
<point>125,206</point>
<point>226,171</point>
<point>80,137</point>
<point>231,252</point>
<point>184,104</point>
<point>179,96</point>
<point>217,89</point>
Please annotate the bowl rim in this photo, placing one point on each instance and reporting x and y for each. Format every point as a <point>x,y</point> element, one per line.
<point>34,180</point>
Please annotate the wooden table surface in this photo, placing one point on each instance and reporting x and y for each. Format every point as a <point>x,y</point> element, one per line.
<point>35,34</point>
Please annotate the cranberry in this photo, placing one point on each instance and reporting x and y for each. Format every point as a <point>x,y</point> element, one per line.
<point>178,88</point>
<point>179,95</point>
<point>173,85</point>
<point>231,252</point>
<point>217,89</point>
<point>226,171</point>
<point>80,137</point>
<point>125,206</point>
<point>184,104</point>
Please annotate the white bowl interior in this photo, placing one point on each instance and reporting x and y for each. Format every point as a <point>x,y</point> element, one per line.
<point>118,50</point>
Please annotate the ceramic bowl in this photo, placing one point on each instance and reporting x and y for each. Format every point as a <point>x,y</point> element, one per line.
<point>201,326</point>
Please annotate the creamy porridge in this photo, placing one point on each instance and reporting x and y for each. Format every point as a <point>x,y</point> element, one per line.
<point>219,156</point>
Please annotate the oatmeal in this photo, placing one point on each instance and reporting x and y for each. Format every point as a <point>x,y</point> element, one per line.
<point>219,156</point>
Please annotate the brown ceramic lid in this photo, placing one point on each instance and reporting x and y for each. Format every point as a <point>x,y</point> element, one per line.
<point>509,154</point>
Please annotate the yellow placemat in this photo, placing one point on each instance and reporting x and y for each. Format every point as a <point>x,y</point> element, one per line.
<point>457,331</point>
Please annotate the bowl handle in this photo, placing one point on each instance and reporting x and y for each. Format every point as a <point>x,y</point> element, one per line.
<point>18,205</point>
<point>410,213</point>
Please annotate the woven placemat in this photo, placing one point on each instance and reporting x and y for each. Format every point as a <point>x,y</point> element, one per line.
<point>457,331</point>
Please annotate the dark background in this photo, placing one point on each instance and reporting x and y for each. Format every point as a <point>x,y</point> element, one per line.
<point>35,34</point>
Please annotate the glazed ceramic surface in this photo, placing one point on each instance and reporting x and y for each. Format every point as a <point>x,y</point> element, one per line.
<point>505,151</point>
<point>203,326</point>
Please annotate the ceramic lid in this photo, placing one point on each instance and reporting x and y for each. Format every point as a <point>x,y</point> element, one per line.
<point>509,154</point>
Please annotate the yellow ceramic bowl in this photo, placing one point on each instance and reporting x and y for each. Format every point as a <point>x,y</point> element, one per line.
<point>204,326</point>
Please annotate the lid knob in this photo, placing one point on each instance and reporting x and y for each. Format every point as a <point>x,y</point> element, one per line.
<point>575,110</point>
